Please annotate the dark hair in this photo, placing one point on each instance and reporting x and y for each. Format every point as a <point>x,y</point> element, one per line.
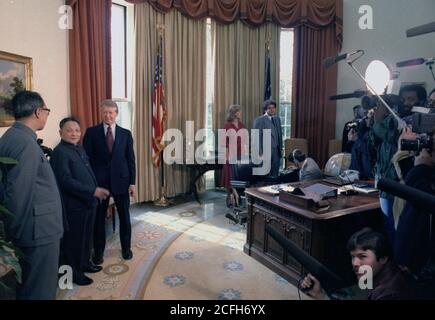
<point>367,239</point>
<point>421,92</point>
<point>392,100</point>
<point>297,155</point>
<point>24,104</point>
<point>68,119</point>
<point>267,103</point>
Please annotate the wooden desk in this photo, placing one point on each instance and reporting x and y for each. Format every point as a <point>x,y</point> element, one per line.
<point>198,170</point>
<point>322,234</point>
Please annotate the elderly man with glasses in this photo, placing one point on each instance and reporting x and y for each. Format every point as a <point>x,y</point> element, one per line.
<point>32,196</point>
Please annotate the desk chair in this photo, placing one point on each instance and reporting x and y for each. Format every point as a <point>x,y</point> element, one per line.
<point>241,179</point>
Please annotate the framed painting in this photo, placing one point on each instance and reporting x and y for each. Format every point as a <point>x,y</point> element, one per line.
<point>15,76</point>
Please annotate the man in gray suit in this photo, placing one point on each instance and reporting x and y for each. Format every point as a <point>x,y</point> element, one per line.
<point>308,168</point>
<point>269,120</point>
<point>32,196</point>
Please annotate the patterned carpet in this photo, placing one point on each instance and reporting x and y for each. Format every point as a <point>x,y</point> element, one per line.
<point>189,251</point>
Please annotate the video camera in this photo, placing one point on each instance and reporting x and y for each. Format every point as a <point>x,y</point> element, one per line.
<point>422,142</point>
<point>424,125</point>
<point>46,150</point>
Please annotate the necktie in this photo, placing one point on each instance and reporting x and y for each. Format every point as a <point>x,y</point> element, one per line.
<point>109,139</point>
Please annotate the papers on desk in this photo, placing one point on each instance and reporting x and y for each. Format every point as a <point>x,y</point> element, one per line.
<point>367,189</point>
<point>315,192</point>
<point>276,189</point>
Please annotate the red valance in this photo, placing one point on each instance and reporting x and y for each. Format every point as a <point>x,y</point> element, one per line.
<point>286,13</point>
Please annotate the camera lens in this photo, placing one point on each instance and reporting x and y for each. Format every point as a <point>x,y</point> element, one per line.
<point>410,145</point>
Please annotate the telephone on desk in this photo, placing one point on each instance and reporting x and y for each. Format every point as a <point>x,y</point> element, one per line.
<point>349,175</point>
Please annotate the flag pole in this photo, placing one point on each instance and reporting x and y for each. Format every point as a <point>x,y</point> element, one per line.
<point>162,201</point>
<point>267,71</point>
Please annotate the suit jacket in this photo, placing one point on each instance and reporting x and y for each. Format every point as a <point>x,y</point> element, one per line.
<point>75,177</point>
<point>115,171</point>
<point>31,193</point>
<point>310,170</point>
<point>263,122</point>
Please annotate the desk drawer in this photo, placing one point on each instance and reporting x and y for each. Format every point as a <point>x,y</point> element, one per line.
<point>294,232</point>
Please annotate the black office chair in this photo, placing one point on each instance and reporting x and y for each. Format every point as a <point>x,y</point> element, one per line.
<point>241,178</point>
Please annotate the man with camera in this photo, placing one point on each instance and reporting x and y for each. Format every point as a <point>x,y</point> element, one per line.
<point>359,114</point>
<point>411,96</point>
<point>415,241</point>
<point>370,250</point>
<point>383,137</point>
<point>363,157</point>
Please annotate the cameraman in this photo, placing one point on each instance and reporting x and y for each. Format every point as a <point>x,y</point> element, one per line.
<point>411,96</point>
<point>371,249</point>
<point>414,243</point>
<point>363,157</point>
<point>430,102</point>
<point>359,113</point>
<point>384,137</point>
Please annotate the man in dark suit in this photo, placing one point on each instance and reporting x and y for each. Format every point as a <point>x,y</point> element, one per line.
<point>110,150</point>
<point>32,196</point>
<point>270,121</point>
<point>80,194</point>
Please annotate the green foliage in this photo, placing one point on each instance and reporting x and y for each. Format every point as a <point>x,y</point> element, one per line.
<point>9,254</point>
<point>17,85</point>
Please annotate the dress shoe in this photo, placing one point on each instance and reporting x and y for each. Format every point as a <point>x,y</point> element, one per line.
<point>91,268</point>
<point>97,260</point>
<point>127,254</point>
<point>82,280</point>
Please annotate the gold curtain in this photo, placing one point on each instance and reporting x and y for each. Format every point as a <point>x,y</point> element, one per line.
<point>185,70</point>
<point>240,55</point>
<point>184,83</point>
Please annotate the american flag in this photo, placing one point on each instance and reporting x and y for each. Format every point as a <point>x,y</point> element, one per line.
<point>159,109</point>
<point>267,81</point>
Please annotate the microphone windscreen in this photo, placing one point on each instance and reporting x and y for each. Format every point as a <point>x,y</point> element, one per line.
<point>417,197</point>
<point>409,63</point>
<point>328,62</point>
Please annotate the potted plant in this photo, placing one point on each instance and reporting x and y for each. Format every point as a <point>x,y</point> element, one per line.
<point>9,254</point>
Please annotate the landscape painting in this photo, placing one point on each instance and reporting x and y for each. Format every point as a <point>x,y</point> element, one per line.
<point>15,76</point>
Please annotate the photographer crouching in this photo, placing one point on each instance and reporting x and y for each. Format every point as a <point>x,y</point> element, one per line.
<point>414,246</point>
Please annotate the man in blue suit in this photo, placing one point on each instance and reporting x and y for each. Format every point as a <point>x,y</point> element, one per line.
<point>111,154</point>
<point>270,121</point>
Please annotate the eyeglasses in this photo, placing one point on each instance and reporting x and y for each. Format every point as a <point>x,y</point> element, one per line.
<point>46,109</point>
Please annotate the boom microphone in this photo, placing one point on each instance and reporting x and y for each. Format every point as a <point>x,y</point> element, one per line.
<point>329,280</point>
<point>423,29</point>
<point>330,61</point>
<point>409,63</point>
<point>417,197</point>
<point>355,94</point>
